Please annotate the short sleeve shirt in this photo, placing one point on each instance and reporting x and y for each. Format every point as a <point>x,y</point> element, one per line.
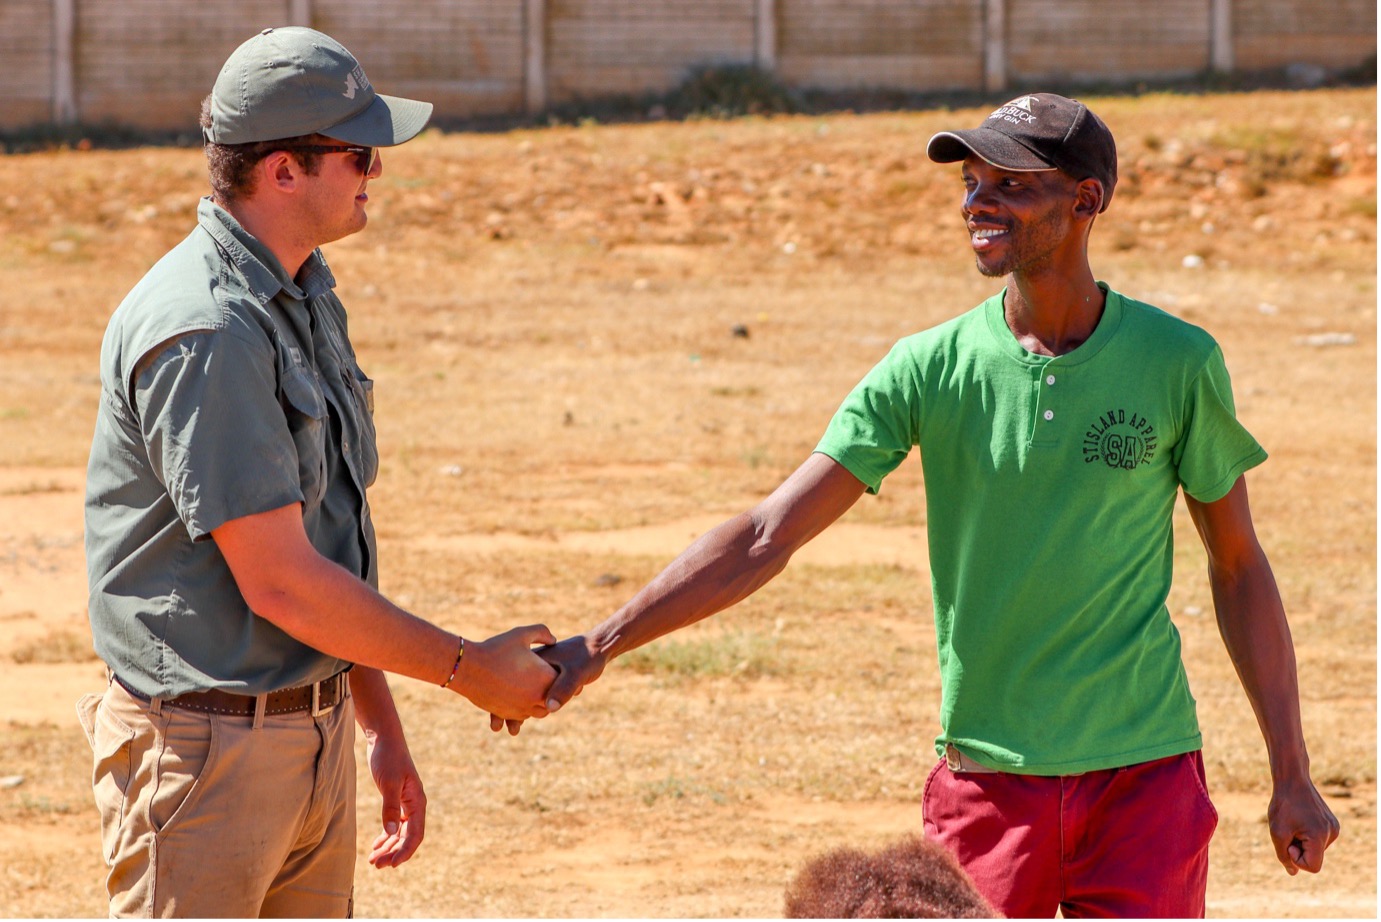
<point>227,389</point>
<point>1050,484</point>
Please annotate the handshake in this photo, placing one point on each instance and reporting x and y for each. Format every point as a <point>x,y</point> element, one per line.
<point>507,677</point>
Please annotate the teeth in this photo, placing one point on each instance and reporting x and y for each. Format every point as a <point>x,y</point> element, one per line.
<point>988,232</point>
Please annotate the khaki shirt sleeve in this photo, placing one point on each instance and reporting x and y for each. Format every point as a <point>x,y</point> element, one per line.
<point>216,434</point>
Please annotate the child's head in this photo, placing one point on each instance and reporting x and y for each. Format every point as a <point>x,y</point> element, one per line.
<point>911,879</point>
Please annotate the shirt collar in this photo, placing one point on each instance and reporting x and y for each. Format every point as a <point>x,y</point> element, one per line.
<point>1107,327</point>
<point>262,271</point>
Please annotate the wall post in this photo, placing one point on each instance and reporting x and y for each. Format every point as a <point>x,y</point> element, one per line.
<point>994,45</point>
<point>300,13</point>
<point>65,62</point>
<point>765,35</point>
<point>1220,36</point>
<point>535,55</point>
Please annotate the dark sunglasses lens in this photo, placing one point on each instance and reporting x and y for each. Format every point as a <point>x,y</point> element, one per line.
<point>367,158</point>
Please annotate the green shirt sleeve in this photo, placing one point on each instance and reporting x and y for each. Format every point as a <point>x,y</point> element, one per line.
<point>1214,448</point>
<point>876,426</point>
<point>216,434</point>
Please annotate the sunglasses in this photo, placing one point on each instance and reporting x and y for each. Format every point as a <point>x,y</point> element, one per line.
<point>365,157</point>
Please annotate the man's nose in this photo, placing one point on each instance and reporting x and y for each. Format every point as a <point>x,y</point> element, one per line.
<point>978,200</point>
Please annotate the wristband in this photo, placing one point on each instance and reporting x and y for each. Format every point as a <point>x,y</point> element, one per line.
<point>460,652</point>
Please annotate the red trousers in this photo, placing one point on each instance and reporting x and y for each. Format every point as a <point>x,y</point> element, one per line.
<point>1126,842</point>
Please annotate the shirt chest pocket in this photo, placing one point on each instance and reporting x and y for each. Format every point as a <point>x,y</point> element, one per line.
<point>367,455</point>
<point>304,407</point>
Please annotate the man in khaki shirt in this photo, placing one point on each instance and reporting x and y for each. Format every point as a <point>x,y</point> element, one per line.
<point>230,548</point>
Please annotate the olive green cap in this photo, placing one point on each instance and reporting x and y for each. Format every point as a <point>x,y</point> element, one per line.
<point>294,81</point>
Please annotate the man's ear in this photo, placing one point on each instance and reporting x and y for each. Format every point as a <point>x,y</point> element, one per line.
<point>279,171</point>
<point>1088,198</point>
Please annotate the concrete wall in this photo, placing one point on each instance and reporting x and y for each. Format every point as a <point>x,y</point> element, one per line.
<point>26,61</point>
<point>1091,40</point>
<point>610,47</point>
<point>465,56</point>
<point>1268,33</point>
<point>148,63</point>
<point>905,44</point>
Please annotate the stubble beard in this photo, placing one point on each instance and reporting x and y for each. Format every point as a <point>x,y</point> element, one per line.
<point>1031,244</point>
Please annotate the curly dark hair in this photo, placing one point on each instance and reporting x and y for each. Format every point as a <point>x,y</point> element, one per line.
<point>914,878</point>
<point>231,166</point>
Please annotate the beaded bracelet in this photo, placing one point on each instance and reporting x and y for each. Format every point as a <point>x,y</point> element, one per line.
<point>460,652</point>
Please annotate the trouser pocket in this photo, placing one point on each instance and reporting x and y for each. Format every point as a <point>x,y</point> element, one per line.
<point>113,768</point>
<point>86,715</point>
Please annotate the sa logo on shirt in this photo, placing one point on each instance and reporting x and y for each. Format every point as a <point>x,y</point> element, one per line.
<point>1121,439</point>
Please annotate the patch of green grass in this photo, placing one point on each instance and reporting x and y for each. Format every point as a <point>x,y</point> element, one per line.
<point>42,805</point>
<point>905,189</point>
<point>674,788</point>
<point>84,137</point>
<point>756,457</point>
<point>1364,206</point>
<point>731,90</point>
<point>57,647</point>
<point>741,654</point>
<point>1278,153</point>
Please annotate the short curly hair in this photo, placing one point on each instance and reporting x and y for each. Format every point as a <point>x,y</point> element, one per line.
<point>914,878</point>
<point>231,166</point>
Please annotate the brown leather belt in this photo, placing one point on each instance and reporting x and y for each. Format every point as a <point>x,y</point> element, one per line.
<point>318,698</point>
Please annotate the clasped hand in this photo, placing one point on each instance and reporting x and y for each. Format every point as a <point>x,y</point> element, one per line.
<point>575,663</point>
<point>505,676</point>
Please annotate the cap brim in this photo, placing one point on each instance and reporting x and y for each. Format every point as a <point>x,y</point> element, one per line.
<point>993,146</point>
<point>389,120</point>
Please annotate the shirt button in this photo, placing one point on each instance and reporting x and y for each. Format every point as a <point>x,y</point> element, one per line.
<point>1049,414</point>
<point>1050,379</point>
<point>346,443</point>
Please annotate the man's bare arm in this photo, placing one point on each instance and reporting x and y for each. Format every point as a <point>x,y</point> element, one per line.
<point>1251,619</point>
<point>285,580</point>
<point>723,567</point>
<point>404,809</point>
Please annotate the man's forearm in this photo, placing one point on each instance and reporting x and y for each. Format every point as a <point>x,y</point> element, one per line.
<point>375,710</point>
<point>284,580</point>
<point>731,562</point>
<point>330,609</point>
<point>1251,619</point>
<point>723,567</point>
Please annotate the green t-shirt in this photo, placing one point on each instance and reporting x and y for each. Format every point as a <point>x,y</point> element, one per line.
<point>1050,484</point>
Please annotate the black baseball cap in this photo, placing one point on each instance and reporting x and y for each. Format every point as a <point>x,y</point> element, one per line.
<point>1041,131</point>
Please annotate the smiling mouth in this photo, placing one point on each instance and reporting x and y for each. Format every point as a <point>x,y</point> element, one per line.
<point>982,236</point>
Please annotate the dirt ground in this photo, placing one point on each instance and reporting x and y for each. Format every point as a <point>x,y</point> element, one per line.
<point>563,402</point>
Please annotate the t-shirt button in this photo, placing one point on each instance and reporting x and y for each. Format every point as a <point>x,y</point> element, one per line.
<point>1049,414</point>
<point>1050,379</point>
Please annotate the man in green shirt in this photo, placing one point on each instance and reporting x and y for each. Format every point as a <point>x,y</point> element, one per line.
<point>1056,423</point>
<point>230,547</point>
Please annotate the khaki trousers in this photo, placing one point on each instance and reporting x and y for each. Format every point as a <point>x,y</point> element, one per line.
<point>204,815</point>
